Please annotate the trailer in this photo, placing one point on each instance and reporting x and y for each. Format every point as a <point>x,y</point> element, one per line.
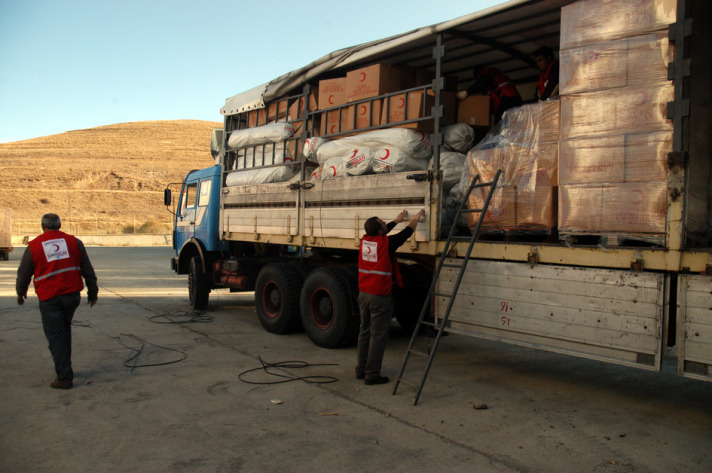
<point>622,274</point>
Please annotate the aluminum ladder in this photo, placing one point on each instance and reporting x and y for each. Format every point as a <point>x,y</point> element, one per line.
<point>449,244</point>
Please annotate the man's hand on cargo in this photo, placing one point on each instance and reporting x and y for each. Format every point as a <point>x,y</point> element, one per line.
<point>416,218</point>
<point>401,217</point>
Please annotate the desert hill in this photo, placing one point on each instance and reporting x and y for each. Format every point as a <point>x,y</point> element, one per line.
<point>102,179</point>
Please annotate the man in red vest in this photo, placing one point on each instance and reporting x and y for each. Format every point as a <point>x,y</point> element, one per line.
<point>58,261</point>
<point>547,85</point>
<point>503,94</point>
<point>377,272</point>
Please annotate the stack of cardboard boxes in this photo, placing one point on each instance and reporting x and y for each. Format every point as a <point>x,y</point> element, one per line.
<point>615,135</point>
<point>526,150</point>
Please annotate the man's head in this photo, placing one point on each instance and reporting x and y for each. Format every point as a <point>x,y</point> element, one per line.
<point>374,226</point>
<point>544,55</point>
<point>51,222</point>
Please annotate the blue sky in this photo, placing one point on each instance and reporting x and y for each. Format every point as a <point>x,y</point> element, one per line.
<point>69,64</point>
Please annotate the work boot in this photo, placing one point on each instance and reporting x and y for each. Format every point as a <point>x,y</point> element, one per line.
<point>378,379</point>
<point>61,384</point>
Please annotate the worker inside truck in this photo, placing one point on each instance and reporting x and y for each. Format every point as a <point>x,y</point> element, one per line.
<point>547,86</point>
<point>503,94</point>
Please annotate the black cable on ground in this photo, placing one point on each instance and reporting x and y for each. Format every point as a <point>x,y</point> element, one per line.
<point>318,379</point>
<point>140,350</point>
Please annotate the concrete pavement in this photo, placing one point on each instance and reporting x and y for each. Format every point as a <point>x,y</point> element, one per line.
<point>153,396</point>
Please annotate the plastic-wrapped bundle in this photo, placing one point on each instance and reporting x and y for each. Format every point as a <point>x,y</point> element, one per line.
<point>414,142</point>
<point>530,125</point>
<point>512,208</point>
<point>316,174</point>
<point>359,162</point>
<point>596,21</point>
<point>452,164</point>
<point>260,176</point>
<point>311,145</point>
<point>334,167</point>
<point>392,159</point>
<point>272,133</point>
<point>459,137</point>
<point>625,62</point>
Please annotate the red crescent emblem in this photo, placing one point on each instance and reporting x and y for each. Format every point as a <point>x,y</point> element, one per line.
<point>363,77</point>
<point>56,247</point>
<point>333,171</point>
<point>641,195</point>
<point>331,100</point>
<point>332,129</point>
<point>363,110</point>
<point>422,135</point>
<point>368,249</point>
<point>402,102</point>
<point>640,98</point>
<point>288,159</point>
<point>353,155</point>
<point>388,153</point>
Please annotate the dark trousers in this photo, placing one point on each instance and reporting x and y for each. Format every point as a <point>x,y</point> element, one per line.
<point>376,314</point>
<point>57,314</point>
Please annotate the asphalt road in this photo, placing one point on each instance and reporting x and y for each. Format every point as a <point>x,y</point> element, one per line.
<point>158,388</point>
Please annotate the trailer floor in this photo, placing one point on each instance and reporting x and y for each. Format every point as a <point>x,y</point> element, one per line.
<point>536,411</point>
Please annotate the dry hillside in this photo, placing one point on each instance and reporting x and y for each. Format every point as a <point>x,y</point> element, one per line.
<point>106,178</point>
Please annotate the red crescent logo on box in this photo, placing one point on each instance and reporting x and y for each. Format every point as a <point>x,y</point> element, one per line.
<point>331,100</point>
<point>363,110</point>
<point>641,195</point>
<point>363,77</point>
<point>640,98</point>
<point>388,153</point>
<point>402,102</point>
<point>332,129</point>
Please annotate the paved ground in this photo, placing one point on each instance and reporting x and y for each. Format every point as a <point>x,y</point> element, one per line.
<point>545,412</point>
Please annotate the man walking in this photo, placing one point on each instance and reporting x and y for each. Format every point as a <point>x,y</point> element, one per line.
<point>377,272</point>
<point>58,261</point>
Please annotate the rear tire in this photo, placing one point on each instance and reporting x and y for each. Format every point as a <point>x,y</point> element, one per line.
<point>277,297</point>
<point>198,286</point>
<point>329,313</point>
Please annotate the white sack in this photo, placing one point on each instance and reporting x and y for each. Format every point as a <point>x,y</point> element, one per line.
<point>334,167</point>
<point>311,145</point>
<point>391,159</point>
<point>359,162</point>
<point>414,142</point>
<point>316,174</point>
<point>459,137</point>
<point>452,164</point>
<point>260,176</point>
<point>272,133</point>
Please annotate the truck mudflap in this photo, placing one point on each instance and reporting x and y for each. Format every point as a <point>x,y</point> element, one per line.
<point>608,315</point>
<point>694,326</point>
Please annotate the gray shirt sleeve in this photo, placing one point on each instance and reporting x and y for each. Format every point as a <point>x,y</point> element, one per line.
<point>24,273</point>
<point>88,272</point>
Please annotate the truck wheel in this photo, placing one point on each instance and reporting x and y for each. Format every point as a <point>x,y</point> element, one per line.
<point>198,288</point>
<point>277,297</point>
<point>329,315</point>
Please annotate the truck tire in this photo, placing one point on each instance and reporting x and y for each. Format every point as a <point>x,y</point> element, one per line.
<point>198,287</point>
<point>277,297</point>
<point>329,313</point>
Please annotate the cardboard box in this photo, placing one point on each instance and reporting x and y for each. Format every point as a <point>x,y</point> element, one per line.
<point>631,208</point>
<point>630,61</point>
<point>596,21</point>
<point>330,122</point>
<point>332,93</point>
<point>368,114</point>
<point>515,209</point>
<point>372,81</point>
<point>417,105</point>
<point>615,159</point>
<point>521,167</point>
<point>627,110</point>
<point>532,124</point>
<point>296,109</point>
<point>474,110</point>
<point>277,110</point>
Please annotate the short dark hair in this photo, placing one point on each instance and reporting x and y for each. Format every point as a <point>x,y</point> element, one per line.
<point>51,222</point>
<point>372,226</point>
<point>544,51</point>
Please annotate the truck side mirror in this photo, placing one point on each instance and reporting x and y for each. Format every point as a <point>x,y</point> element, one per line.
<point>167,198</point>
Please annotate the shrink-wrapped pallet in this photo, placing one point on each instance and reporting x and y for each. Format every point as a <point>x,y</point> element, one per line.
<point>513,209</point>
<point>629,208</point>
<point>625,62</point>
<point>615,159</point>
<point>532,124</point>
<point>640,109</point>
<point>597,21</point>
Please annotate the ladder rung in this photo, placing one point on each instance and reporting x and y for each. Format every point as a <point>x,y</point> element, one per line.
<point>419,353</point>
<point>449,265</point>
<point>401,380</point>
<point>471,210</point>
<point>442,294</point>
<point>483,184</point>
<point>431,324</point>
<point>462,238</point>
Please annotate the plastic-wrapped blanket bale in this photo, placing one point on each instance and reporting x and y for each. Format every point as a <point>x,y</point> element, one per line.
<point>414,142</point>
<point>596,21</point>
<point>333,168</point>
<point>392,159</point>
<point>316,173</point>
<point>311,145</point>
<point>260,176</point>
<point>359,162</point>
<point>272,133</point>
<point>459,137</point>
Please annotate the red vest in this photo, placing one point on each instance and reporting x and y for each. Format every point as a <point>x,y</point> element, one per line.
<point>501,86</point>
<point>57,261</point>
<point>375,268</point>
